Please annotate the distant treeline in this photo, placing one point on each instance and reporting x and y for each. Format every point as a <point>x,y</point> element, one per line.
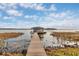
<point>15,29</point>
<point>25,28</point>
<point>50,29</point>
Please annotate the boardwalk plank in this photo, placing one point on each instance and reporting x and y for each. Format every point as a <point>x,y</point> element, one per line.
<point>35,48</point>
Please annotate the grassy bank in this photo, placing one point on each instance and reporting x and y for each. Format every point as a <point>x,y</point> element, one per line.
<point>10,35</point>
<point>63,52</point>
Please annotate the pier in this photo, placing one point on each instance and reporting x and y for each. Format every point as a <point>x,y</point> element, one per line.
<point>35,48</point>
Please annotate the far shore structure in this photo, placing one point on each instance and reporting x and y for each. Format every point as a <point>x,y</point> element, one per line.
<point>39,31</point>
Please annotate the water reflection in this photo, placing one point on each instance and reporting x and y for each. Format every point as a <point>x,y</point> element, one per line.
<point>48,39</point>
<point>18,44</point>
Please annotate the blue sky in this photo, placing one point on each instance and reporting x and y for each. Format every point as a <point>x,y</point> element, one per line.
<point>26,15</point>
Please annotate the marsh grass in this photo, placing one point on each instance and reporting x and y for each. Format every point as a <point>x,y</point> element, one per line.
<point>63,52</point>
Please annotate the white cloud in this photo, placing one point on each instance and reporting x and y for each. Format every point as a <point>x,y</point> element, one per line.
<point>46,22</point>
<point>10,9</point>
<point>32,6</point>
<point>6,17</point>
<point>70,22</point>
<point>23,24</point>
<point>38,6</point>
<point>0,15</point>
<point>26,16</point>
<point>1,7</point>
<point>26,5</point>
<point>12,25</point>
<point>64,24</point>
<point>7,6</point>
<point>5,25</point>
<point>14,12</point>
<point>52,8</point>
<point>58,15</point>
<point>63,20</point>
<point>31,16</point>
<point>61,14</point>
<point>18,24</point>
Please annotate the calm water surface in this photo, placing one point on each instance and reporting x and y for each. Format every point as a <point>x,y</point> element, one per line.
<point>48,40</point>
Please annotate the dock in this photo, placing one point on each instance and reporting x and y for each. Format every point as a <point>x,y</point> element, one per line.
<point>35,48</point>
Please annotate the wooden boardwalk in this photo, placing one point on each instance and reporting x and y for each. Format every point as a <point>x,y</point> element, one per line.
<point>36,48</point>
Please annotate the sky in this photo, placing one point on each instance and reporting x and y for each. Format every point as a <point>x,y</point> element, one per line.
<point>48,15</point>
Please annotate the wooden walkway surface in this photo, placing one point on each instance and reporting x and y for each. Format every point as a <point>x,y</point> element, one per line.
<point>36,48</point>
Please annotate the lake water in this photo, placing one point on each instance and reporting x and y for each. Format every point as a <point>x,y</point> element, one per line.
<point>51,41</point>
<point>48,40</point>
<point>22,42</point>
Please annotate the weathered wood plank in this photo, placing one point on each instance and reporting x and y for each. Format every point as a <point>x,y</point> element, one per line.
<point>36,48</point>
